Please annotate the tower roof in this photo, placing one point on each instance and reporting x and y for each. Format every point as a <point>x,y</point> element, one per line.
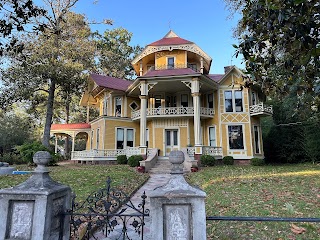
<point>171,38</point>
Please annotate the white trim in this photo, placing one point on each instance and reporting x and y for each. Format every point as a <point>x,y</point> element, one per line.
<point>174,61</point>
<point>138,106</point>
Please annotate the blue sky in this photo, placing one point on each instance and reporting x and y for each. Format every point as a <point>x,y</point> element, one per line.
<point>204,22</point>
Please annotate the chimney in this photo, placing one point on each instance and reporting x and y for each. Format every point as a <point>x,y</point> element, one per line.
<point>227,69</point>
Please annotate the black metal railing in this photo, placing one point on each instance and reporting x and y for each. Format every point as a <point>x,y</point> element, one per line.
<point>107,213</point>
<point>261,219</point>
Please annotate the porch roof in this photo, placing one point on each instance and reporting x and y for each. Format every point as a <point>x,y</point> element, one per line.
<point>70,126</point>
<point>110,82</point>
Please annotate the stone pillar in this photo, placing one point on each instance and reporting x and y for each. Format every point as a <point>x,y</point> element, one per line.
<point>177,209</point>
<point>33,210</point>
<point>143,117</point>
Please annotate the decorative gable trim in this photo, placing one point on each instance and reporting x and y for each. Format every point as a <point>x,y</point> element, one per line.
<point>186,47</point>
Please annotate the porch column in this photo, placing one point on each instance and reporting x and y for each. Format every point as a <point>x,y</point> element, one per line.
<point>56,143</point>
<point>201,65</point>
<point>195,88</point>
<point>143,117</point>
<point>73,142</point>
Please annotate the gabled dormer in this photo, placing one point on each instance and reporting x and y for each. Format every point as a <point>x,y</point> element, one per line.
<point>171,52</point>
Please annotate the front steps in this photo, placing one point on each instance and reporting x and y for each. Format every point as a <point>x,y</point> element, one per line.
<point>163,166</point>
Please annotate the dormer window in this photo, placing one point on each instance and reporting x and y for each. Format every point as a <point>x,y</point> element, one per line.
<point>170,62</point>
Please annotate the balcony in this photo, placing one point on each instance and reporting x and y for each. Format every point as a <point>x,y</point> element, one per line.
<point>174,66</point>
<point>260,110</point>
<point>173,112</point>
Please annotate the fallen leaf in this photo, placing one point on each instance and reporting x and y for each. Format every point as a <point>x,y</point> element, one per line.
<point>297,230</point>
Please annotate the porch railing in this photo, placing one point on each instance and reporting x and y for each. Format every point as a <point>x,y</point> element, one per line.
<point>260,108</point>
<point>207,150</point>
<point>105,153</point>
<point>176,111</point>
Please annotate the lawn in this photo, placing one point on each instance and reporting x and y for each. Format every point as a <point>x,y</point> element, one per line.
<point>84,179</point>
<point>275,191</point>
<point>279,191</point>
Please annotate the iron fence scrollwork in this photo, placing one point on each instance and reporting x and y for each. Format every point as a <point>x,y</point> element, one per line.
<point>107,212</point>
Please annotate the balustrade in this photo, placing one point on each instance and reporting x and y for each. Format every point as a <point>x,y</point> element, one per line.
<point>260,109</point>
<point>173,111</point>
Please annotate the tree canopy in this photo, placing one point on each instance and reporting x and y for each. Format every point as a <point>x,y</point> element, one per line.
<point>279,41</point>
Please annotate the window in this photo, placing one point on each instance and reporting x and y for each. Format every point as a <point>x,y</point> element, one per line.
<point>210,100</point>
<point>235,137</point>
<point>233,101</point>
<point>133,106</point>
<point>238,101</point>
<point>212,137</point>
<point>228,101</point>
<point>256,139</point>
<point>170,62</point>
<point>91,140</point>
<point>193,66</point>
<point>171,101</point>
<point>157,101</point>
<point>118,103</point>
<point>253,98</point>
<point>125,138</point>
<point>98,136</point>
<point>184,100</point>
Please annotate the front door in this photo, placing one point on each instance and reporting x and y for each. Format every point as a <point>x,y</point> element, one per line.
<point>171,141</point>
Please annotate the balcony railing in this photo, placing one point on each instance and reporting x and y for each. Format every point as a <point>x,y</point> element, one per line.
<point>261,109</point>
<point>173,111</point>
<point>175,66</point>
<point>103,154</point>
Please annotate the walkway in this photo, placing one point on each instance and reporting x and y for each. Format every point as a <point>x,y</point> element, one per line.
<point>155,180</point>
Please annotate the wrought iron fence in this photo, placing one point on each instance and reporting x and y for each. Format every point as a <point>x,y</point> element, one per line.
<point>107,212</point>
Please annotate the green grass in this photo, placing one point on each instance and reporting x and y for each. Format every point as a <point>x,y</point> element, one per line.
<point>84,179</point>
<point>279,191</point>
<point>273,191</point>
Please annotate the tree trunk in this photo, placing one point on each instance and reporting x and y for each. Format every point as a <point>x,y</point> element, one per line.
<point>47,126</point>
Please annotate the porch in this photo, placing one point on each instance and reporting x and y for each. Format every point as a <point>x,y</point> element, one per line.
<point>173,112</point>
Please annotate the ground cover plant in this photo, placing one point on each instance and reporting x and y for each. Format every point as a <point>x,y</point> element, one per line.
<point>84,179</point>
<point>273,191</point>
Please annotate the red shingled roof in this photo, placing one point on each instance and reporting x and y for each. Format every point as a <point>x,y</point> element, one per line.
<point>169,72</point>
<point>216,77</point>
<point>70,126</point>
<point>170,41</point>
<point>111,82</point>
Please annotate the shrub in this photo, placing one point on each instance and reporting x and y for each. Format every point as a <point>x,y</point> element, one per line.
<point>27,150</point>
<point>257,161</point>
<point>12,158</point>
<point>134,160</point>
<point>228,160</point>
<point>207,160</point>
<point>122,159</point>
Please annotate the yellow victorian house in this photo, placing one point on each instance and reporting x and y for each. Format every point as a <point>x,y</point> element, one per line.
<point>173,104</point>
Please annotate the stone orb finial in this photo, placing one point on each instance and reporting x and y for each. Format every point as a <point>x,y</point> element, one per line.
<point>41,159</point>
<point>176,158</point>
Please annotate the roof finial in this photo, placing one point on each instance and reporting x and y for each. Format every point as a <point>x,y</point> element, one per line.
<point>169,25</point>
